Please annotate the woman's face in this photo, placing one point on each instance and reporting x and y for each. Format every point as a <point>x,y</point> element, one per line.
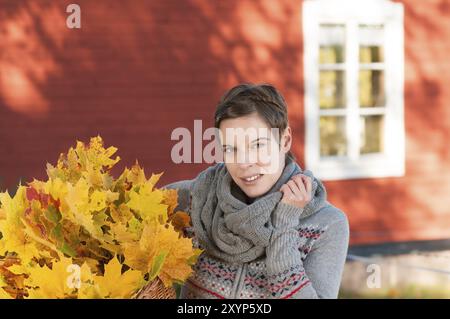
<point>253,153</point>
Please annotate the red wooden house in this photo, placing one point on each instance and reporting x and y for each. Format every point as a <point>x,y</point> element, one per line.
<point>366,83</point>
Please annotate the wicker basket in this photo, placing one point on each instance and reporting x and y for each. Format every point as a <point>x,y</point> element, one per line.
<point>156,290</point>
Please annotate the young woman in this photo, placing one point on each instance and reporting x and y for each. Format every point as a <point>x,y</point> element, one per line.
<point>265,224</point>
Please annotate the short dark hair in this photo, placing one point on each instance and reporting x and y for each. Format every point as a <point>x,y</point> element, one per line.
<point>247,98</point>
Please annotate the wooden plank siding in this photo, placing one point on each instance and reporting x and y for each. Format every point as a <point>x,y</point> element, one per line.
<point>136,70</point>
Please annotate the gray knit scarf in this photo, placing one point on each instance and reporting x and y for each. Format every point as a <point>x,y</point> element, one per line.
<point>232,230</point>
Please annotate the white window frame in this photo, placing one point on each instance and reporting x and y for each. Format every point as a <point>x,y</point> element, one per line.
<point>390,163</point>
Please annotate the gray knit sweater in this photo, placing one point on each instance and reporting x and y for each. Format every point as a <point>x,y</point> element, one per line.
<point>298,253</point>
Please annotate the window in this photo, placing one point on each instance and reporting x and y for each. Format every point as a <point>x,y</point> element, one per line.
<point>353,73</point>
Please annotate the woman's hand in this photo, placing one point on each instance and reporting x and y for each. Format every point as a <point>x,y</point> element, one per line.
<point>297,191</point>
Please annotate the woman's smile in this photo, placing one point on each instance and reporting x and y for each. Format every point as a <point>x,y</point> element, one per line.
<point>251,179</point>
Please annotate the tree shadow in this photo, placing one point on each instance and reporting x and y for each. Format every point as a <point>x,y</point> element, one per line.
<point>416,206</point>
<point>132,73</point>
<point>137,70</point>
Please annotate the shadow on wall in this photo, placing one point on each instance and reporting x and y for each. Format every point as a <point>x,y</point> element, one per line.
<point>136,70</point>
<point>133,72</point>
<point>415,206</point>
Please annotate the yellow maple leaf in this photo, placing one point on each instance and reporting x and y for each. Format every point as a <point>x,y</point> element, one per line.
<point>122,234</point>
<point>14,237</point>
<point>115,284</point>
<point>78,196</point>
<point>93,176</point>
<point>97,201</point>
<point>141,254</point>
<point>135,257</point>
<point>56,188</point>
<point>154,179</point>
<point>170,198</point>
<point>3,293</point>
<point>98,154</point>
<point>51,283</point>
<point>17,241</point>
<point>147,202</point>
<point>88,289</point>
<point>95,154</point>
<point>179,250</point>
<point>120,214</point>
<point>158,240</point>
<point>136,175</point>
<point>13,207</point>
<point>82,205</point>
<point>111,196</point>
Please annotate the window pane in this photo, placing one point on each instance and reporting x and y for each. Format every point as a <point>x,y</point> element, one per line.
<point>372,137</point>
<point>331,54</point>
<point>331,89</point>
<point>332,40</point>
<point>371,88</point>
<point>332,136</point>
<point>371,54</point>
<point>371,42</point>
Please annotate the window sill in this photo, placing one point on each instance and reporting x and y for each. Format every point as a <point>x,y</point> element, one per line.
<point>368,166</point>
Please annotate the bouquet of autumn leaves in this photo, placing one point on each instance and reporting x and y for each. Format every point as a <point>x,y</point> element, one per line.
<point>84,234</point>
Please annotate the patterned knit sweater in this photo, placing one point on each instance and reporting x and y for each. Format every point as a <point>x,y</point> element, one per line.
<point>304,258</point>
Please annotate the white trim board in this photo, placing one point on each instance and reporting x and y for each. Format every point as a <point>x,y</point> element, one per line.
<point>351,13</point>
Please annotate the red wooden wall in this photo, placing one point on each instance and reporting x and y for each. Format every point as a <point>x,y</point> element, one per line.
<point>138,69</point>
